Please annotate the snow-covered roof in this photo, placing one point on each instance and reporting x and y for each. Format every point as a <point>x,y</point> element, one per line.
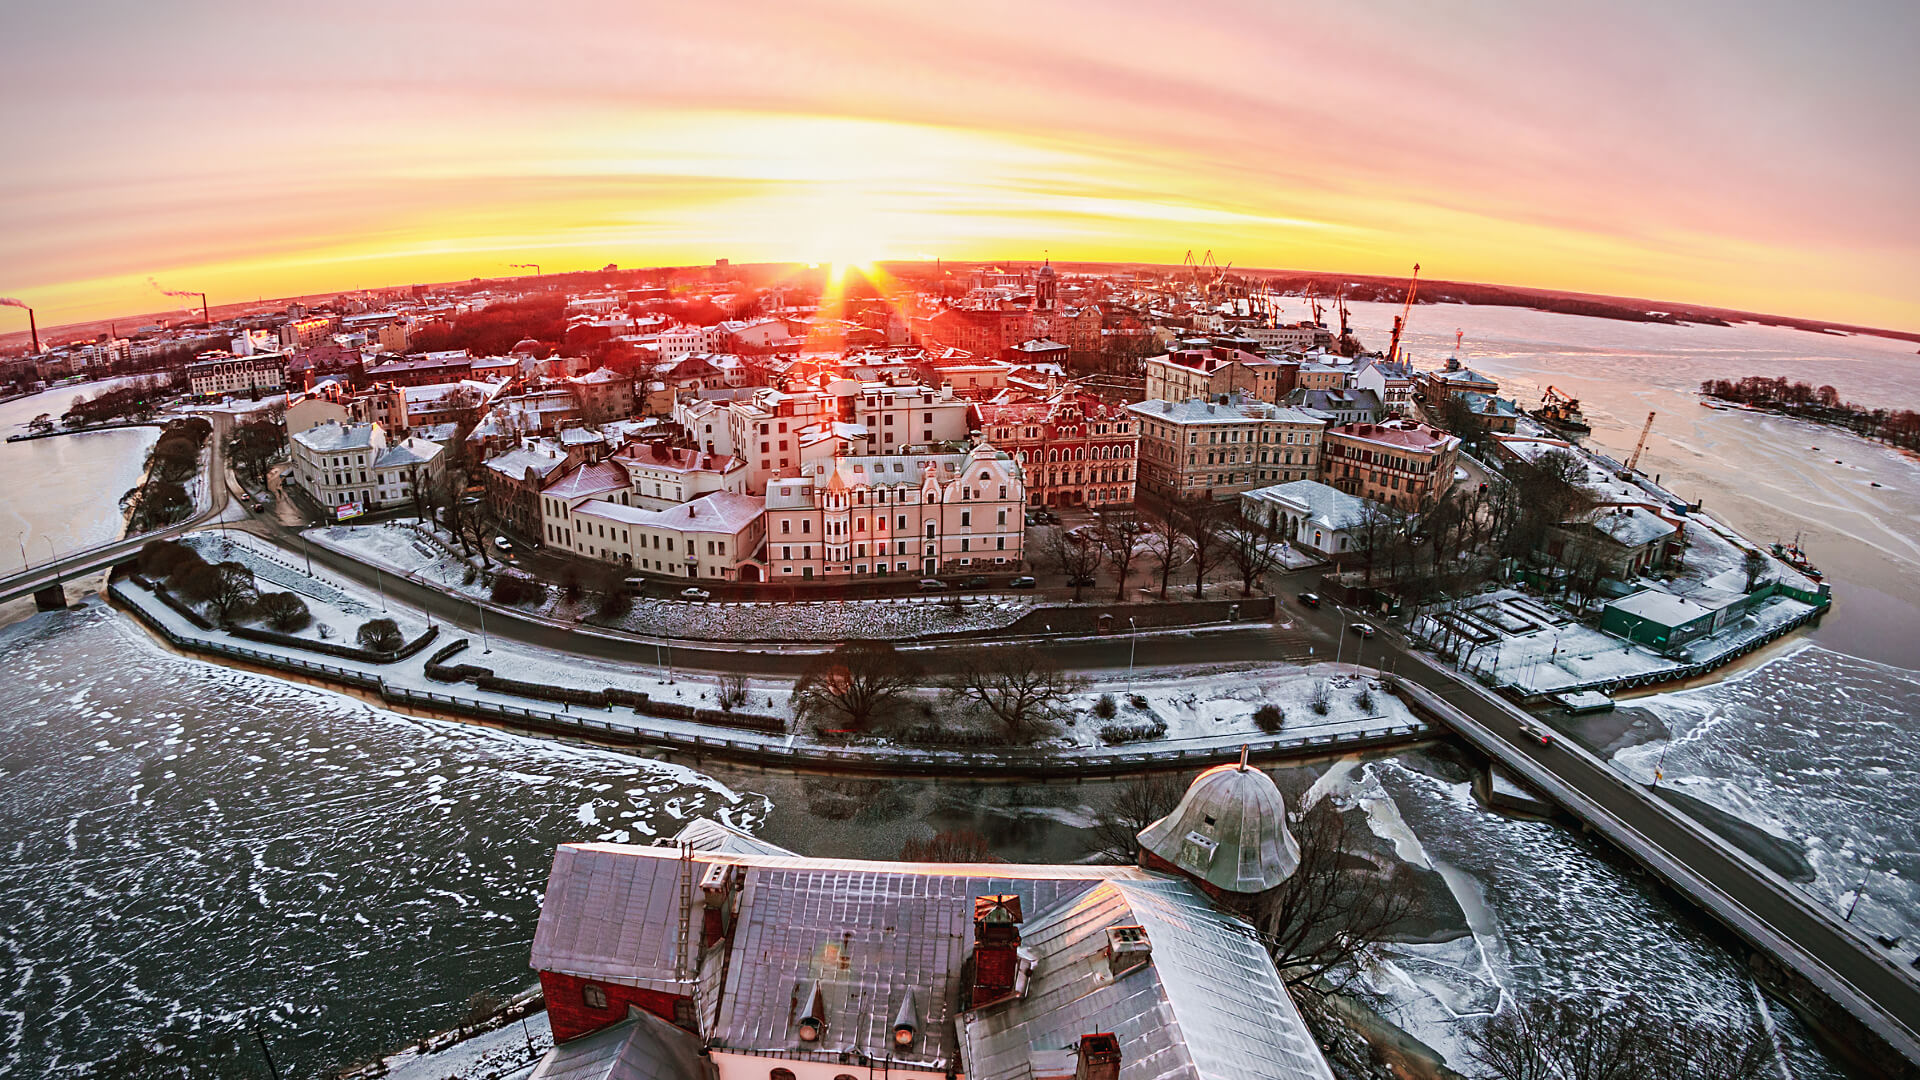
<point>1660,607</point>
<point>516,462</point>
<point>1328,507</point>
<point>412,451</point>
<point>333,437</point>
<point>1235,410</point>
<point>719,511</point>
<point>1630,526</point>
<point>589,480</point>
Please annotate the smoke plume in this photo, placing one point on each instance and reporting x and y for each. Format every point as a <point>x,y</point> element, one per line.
<point>8,301</point>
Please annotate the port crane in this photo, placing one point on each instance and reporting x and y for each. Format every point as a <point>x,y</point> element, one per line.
<point>1634,461</point>
<point>1406,312</point>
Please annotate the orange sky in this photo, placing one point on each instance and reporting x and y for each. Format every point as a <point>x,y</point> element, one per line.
<point>1719,155</point>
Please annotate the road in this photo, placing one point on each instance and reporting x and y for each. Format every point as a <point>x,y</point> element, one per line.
<point>1776,917</point>
<point>79,563</point>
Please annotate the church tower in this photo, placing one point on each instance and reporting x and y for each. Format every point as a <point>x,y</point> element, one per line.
<point>1229,833</point>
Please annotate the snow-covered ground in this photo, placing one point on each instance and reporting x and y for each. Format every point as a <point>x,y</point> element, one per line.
<point>500,1054</point>
<point>403,548</point>
<point>1542,650</point>
<point>1818,749</point>
<point>338,608</point>
<point>1202,708</point>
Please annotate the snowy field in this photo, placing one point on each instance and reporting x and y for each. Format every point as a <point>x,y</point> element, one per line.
<point>1201,709</point>
<point>1819,749</point>
<point>500,1054</point>
<point>339,608</point>
<point>402,548</point>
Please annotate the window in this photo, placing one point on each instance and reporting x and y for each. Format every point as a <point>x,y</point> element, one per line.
<point>780,1074</point>
<point>596,998</point>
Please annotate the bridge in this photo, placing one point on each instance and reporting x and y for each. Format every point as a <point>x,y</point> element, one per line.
<point>46,582</point>
<point>1817,950</point>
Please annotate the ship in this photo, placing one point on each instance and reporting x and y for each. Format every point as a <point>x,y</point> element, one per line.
<point>1793,555</point>
<point>1562,413</point>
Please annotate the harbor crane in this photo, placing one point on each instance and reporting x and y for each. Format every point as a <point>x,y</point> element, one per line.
<point>1406,312</point>
<point>1634,461</point>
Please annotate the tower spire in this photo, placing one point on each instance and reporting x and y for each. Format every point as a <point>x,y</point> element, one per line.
<point>1243,757</point>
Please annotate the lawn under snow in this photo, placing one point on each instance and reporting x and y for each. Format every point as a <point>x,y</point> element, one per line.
<point>338,608</point>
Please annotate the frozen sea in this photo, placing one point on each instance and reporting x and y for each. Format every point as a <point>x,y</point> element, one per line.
<point>193,854</point>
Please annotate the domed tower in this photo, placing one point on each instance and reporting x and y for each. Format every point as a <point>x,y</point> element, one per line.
<point>1229,833</point>
<point>1044,288</point>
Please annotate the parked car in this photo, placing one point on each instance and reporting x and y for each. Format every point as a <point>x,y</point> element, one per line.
<point>503,543</point>
<point>928,584</point>
<point>1365,630</point>
<point>976,583</point>
<point>1047,517</point>
<point>1310,599</point>
<point>695,594</point>
<point>1023,582</point>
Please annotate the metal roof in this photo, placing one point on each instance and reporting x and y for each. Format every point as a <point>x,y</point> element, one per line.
<point>643,1047</point>
<point>1207,1004</point>
<point>1230,830</point>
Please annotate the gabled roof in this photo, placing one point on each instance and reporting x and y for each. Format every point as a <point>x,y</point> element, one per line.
<point>1206,1005</point>
<point>1328,507</point>
<point>589,480</point>
<point>333,437</point>
<point>642,1047</point>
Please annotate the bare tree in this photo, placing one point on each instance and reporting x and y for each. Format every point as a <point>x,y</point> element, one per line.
<point>1379,526</point>
<point>226,587</point>
<point>1200,521</point>
<point>1560,1039</point>
<point>733,691</point>
<point>380,635</point>
<point>1021,687</point>
<point>1117,538</point>
<point>1137,804</point>
<point>1339,902</point>
<point>857,683</point>
<point>1075,556</point>
<point>1755,564</point>
<point>1165,546</point>
<point>950,846</point>
<point>1251,551</point>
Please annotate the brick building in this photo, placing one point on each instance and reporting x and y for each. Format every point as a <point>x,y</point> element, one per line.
<point>1075,449</point>
<point>1402,463</point>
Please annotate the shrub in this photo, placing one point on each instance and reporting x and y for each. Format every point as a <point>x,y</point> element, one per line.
<point>380,635</point>
<point>570,585</point>
<point>1365,699</point>
<point>1105,707</point>
<point>285,612</point>
<point>1270,717</point>
<point>1138,701</point>
<point>1321,702</point>
<point>1134,731</point>
<point>509,589</point>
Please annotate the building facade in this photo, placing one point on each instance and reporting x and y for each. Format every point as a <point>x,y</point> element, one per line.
<point>912,515</point>
<point>1402,463</point>
<point>353,468</point>
<point>1218,449</point>
<point>216,376</point>
<point>1075,449</point>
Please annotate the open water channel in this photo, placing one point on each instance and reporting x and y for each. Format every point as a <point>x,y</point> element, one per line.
<point>192,854</point>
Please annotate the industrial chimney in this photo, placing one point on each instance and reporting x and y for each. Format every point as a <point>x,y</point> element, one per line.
<point>34,325</point>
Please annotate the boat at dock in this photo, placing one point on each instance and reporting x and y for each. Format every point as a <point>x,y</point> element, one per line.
<point>1793,555</point>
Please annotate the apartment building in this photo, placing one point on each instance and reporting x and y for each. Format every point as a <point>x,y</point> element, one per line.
<point>1074,448</point>
<point>220,374</point>
<point>1213,372</point>
<point>1392,380</point>
<point>1402,463</point>
<point>911,514</point>
<point>1218,449</point>
<point>715,537</point>
<point>351,468</point>
<point>660,476</point>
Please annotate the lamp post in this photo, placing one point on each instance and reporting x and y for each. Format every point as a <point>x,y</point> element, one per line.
<point>1133,641</point>
<point>381,585</point>
<point>308,555</point>
<point>484,646</point>
<point>1340,643</point>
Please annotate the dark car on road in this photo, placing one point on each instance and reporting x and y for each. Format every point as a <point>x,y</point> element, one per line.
<point>1365,630</point>
<point>1023,582</point>
<point>976,583</point>
<point>928,584</point>
<point>1310,599</point>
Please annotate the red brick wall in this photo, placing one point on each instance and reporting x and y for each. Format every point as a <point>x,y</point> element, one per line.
<point>571,1018</point>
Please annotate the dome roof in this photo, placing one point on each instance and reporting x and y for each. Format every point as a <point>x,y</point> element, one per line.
<point>1229,831</point>
<point>1046,271</point>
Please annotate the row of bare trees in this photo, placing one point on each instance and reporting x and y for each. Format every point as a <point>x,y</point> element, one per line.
<point>1188,537</point>
<point>863,686</point>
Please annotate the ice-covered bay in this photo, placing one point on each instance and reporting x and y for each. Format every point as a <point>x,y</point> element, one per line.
<point>191,853</point>
<point>1821,749</point>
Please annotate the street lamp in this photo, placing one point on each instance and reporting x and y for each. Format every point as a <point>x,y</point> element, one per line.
<point>380,585</point>
<point>484,646</point>
<point>1133,641</point>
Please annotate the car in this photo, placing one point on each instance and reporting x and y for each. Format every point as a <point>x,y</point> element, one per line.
<point>928,584</point>
<point>503,543</point>
<point>1023,582</point>
<point>1365,630</point>
<point>1047,517</point>
<point>1033,518</point>
<point>1310,599</point>
<point>695,594</point>
<point>1538,734</point>
<point>976,583</point>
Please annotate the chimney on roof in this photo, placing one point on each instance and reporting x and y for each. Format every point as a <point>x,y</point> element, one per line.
<point>1099,1057</point>
<point>1128,947</point>
<point>996,948</point>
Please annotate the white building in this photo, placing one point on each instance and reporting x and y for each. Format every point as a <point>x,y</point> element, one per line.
<point>353,466</point>
<point>216,376</point>
<point>1310,515</point>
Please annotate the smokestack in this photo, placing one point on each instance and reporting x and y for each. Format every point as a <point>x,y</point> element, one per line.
<point>34,325</point>
<point>203,309</point>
